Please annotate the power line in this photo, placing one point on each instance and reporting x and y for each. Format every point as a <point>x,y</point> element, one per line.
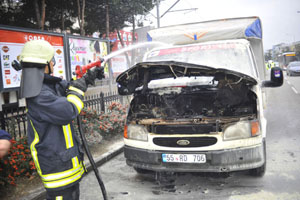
<point>192,9</point>
<point>169,10</point>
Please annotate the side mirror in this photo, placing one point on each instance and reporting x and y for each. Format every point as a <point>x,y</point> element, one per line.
<point>276,78</point>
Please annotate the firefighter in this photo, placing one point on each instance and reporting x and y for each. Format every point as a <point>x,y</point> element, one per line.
<point>52,105</point>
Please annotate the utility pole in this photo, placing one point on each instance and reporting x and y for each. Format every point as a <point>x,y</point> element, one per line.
<point>157,13</point>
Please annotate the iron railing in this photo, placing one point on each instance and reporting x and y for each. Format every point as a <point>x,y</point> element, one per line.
<point>13,118</point>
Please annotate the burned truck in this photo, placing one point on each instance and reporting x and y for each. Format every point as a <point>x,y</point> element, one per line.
<point>198,104</point>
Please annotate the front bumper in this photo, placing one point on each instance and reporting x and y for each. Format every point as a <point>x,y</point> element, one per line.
<point>216,161</point>
<point>294,73</point>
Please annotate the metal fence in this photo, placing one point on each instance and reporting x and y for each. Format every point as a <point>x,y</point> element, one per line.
<point>101,101</point>
<point>13,118</point>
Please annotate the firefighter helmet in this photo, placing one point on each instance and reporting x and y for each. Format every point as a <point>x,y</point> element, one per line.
<point>37,51</point>
<point>35,56</point>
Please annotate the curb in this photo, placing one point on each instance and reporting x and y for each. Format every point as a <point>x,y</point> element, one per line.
<point>117,148</point>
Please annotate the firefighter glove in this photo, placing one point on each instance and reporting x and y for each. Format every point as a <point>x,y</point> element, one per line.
<point>77,87</point>
<point>93,74</point>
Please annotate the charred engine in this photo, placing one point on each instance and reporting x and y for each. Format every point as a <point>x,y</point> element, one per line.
<point>226,96</point>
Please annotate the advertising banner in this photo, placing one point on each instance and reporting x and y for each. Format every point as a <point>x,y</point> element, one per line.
<point>11,44</point>
<point>84,51</point>
<point>119,63</point>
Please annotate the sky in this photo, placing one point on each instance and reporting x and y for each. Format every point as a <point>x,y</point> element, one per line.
<point>280,18</point>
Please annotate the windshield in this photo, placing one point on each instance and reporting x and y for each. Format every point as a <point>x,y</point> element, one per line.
<point>228,55</point>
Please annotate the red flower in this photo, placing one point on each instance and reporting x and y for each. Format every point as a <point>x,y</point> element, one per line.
<point>13,141</point>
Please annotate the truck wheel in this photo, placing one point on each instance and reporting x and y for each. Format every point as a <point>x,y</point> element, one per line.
<point>260,171</point>
<point>141,171</point>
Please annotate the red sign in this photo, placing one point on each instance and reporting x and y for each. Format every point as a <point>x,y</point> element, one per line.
<point>23,37</point>
<point>5,49</point>
<point>126,36</point>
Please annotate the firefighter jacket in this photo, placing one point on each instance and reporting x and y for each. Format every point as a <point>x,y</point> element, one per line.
<point>54,146</point>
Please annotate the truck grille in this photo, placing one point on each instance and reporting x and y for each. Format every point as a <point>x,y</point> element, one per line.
<point>189,141</point>
<point>183,129</point>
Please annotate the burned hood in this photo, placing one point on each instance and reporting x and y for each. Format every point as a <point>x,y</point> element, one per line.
<point>138,76</point>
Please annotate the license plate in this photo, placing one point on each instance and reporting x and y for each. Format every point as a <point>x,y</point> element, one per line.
<point>184,158</point>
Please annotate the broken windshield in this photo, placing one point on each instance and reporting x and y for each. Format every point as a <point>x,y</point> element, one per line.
<point>232,55</point>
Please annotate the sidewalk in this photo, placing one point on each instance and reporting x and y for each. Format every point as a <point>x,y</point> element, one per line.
<point>115,148</point>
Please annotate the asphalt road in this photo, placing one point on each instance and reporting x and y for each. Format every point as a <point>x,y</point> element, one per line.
<point>281,181</point>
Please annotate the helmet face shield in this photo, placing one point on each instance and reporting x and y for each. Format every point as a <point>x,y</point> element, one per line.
<point>31,82</point>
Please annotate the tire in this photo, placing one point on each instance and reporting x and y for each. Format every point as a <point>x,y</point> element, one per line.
<point>141,171</point>
<point>260,171</point>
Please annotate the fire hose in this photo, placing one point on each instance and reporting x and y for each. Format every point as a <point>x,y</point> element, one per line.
<point>91,159</point>
<point>80,71</point>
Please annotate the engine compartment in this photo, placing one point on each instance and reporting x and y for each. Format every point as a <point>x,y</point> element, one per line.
<point>225,96</point>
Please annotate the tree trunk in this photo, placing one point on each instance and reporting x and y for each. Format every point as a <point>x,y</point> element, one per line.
<point>43,14</point>
<point>82,31</point>
<point>62,16</point>
<point>133,41</point>
<point>107,20</point>
<point>37,13</point>
<point>40,18</point>
<point>81,16</point>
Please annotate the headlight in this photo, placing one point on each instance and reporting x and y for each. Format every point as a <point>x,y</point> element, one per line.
<point>241,130</point>
<point>136,132</point>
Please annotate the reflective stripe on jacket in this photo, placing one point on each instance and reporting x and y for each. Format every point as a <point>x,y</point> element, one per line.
<point>54,146</point>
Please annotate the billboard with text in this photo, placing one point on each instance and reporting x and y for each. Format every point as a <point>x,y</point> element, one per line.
<point>11,44</point>
<point>83,50</point>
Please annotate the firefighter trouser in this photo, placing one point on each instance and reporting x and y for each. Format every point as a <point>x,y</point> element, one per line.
<point>71,193</point>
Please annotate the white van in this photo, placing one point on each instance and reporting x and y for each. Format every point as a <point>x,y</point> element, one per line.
<point>198,105</point>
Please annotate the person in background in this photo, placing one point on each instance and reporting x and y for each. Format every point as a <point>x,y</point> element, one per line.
<point>267,65</point>
<point>4,142</point>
